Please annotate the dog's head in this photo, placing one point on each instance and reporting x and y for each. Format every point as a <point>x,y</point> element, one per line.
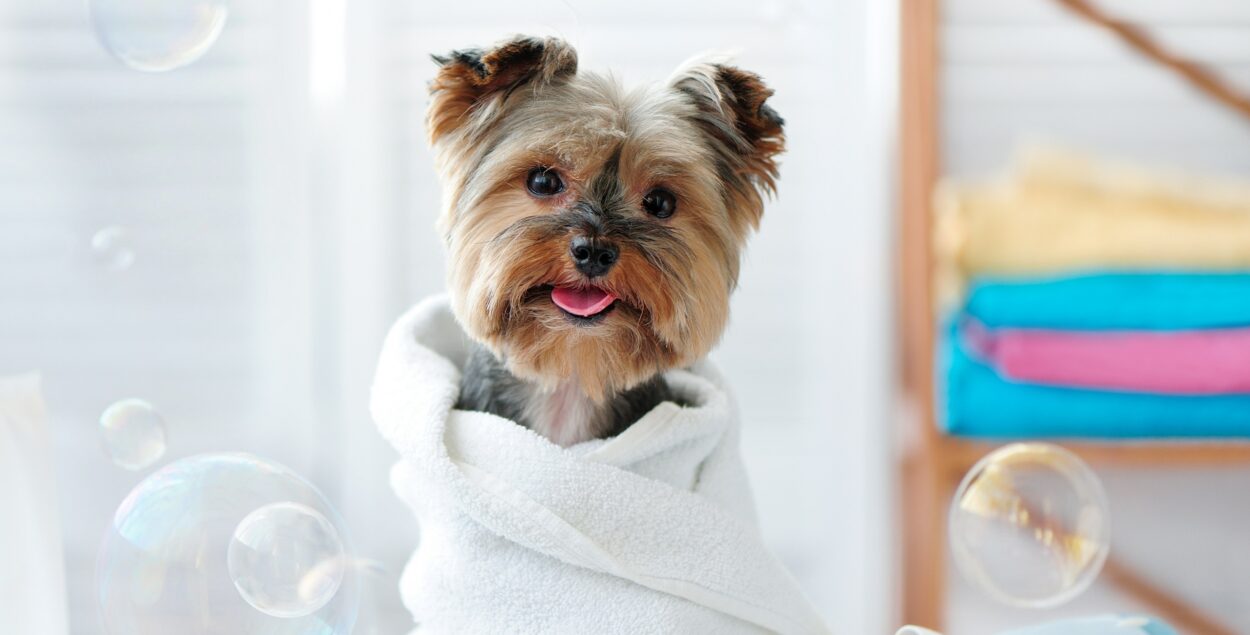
<point>594,232</point>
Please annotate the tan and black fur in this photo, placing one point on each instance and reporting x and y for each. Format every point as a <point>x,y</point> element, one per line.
<point>707,136</point>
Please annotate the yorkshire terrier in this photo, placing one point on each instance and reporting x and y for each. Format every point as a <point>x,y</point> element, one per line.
<point>593,233</point>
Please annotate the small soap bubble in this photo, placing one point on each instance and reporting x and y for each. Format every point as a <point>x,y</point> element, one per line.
<point>169,562</point>
<point>158,35</point>
<point>134,433</point>
<point>1030,525</point>
<point>286,560</point>
<point>112,249</point>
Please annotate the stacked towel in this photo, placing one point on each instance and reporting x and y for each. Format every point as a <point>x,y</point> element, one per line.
<point>1060,212</point>
<point>1093,300</point>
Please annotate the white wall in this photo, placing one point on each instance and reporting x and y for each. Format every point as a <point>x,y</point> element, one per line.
<point>293,221</point>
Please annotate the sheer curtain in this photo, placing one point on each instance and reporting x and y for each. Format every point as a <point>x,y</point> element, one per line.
<point>279,200</point>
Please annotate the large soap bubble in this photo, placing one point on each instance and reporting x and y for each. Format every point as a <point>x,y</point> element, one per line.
<point>163,566</point>
<point>158,35</point>
<point>1030,525</point>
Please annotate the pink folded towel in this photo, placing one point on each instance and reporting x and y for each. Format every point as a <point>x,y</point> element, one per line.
<point>1206,362</point>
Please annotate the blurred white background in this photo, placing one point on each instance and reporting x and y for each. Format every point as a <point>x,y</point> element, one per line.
<point>280,199</point>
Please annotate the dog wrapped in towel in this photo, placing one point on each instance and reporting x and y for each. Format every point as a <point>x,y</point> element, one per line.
<point>571,459</point>
<point>650,531</point>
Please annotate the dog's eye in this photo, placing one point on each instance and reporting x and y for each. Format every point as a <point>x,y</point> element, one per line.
<point>660,203</point>
<point>544,182</point>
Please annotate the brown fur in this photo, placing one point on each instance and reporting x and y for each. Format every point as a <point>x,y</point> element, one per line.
<point>707,136</point>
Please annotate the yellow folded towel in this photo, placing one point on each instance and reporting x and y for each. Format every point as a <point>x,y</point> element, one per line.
<point>1063,212</point>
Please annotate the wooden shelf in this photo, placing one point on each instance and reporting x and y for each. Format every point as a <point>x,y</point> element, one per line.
<point>934,463</point>
<point>960,454</point>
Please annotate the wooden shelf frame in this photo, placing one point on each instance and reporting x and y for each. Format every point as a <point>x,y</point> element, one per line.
<point>933,463</point>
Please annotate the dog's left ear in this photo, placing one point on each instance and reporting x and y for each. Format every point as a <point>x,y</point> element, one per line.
<point>472,83</point>
<point>744,131</point>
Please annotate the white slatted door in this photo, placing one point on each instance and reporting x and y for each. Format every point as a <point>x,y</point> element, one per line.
<point>1031,70</point>
<point>210,323</point>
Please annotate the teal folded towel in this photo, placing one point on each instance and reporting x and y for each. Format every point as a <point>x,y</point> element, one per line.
<point>978,402</point>
<point>1123,301</point>
<point>1102,625</point>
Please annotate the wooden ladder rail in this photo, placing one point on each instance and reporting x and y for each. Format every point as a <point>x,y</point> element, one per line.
<point>1136,38</point>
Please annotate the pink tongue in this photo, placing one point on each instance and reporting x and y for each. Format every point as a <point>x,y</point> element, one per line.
<point>584,302</point>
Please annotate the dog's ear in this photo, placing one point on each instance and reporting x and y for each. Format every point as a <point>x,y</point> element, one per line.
<point>743,130</point>
<point>471,84</point>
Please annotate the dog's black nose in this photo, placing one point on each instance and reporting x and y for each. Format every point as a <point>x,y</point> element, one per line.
<point>592,257</point>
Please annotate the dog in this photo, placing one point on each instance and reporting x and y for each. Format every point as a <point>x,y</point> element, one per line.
<point>594,234</point>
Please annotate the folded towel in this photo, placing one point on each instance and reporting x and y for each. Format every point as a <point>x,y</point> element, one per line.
<point>1101,625</point>
<point>652,531</point>
<point>1208,362</point>
<point>1115,301</point>
<point>1044,167</point>
<point>1051,218</point>
<point>978,402</point>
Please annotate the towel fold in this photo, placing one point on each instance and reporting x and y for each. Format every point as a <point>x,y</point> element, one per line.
<point>1208,362</point>
<point>652,531</point>
<point>1113,301</point>
<point>979,402</point>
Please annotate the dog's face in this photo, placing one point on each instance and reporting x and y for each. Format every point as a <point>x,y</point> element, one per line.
<point>595,233</point>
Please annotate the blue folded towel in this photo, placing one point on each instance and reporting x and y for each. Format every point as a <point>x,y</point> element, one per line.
<point>978,402</point>
<point>1124,301</point>
<point>1102,625</point>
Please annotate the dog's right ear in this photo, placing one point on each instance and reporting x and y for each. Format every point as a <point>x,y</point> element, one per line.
<point>743,131</point>
<point>471,84</point>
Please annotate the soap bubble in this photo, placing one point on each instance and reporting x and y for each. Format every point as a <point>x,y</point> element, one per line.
<point>158,35</point>
<point>112,249</point>
<point>134,433</point>
<point>164,563</point>
<point>1030,525</point>
<point>286,559</point>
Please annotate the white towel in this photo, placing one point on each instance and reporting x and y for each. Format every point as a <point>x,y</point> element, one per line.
<point>652,531</point>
